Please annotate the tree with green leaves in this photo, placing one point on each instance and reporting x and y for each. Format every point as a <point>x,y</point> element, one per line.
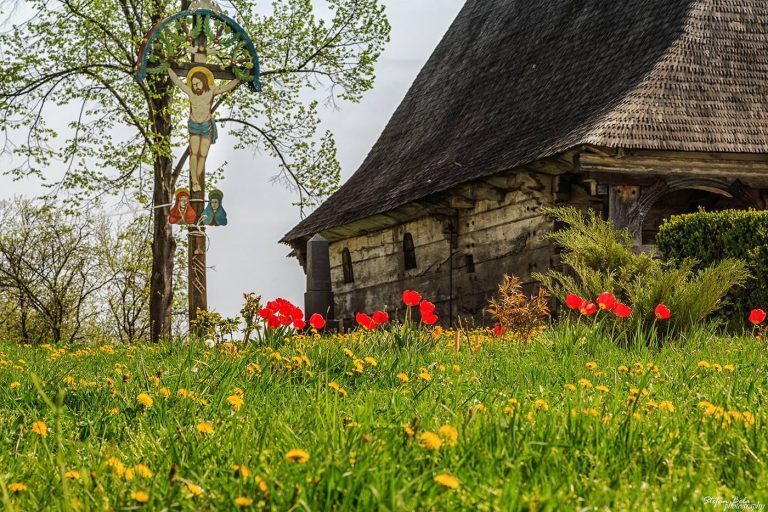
<point>79,56</point>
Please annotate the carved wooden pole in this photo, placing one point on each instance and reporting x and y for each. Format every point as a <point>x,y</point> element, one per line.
<point>624,211</point>
<point>319,296</point>
<point>197,282</point>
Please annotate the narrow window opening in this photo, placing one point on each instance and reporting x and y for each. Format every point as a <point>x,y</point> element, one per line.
<point>346,265</point>
<point>469,262</point>
<point>409,251</point>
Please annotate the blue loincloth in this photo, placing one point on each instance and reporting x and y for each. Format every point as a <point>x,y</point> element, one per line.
<point>205,129</point>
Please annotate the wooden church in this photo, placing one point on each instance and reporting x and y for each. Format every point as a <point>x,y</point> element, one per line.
<point>636,108</point>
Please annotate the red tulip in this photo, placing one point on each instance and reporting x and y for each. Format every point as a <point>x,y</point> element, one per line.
<point>606,301</point>
<point>365,321</point>
<point>429,318</point>
<point>380,317</point>
<point>574,301</point>
<point>662,312</point>
<point>588,309</point>
<point>426,307</point>
<point>621,310</point>
<point>411,298</point>
<point>299,324</point>
<point>499,330</point>
<point>317,321</point>
<point>756,316</point>
<point>273,322</point>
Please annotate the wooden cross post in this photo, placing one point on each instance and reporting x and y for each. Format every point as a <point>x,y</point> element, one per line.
<point>197,282</point>
<point>224,51</point>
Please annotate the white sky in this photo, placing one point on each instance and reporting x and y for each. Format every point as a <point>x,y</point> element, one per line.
<point>245,256</point>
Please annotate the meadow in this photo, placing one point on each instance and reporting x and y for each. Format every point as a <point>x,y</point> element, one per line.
<point>568,421</point>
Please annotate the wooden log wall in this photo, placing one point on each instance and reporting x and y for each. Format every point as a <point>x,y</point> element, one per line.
<point>462,252</point>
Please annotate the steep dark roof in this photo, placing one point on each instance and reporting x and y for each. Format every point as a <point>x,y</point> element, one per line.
<point>513,81</point>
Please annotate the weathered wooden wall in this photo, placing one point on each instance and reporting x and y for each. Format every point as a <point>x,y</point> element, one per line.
<point>501,236</point>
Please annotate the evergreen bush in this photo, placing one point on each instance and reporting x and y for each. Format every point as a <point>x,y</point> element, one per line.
<point>598,258</point>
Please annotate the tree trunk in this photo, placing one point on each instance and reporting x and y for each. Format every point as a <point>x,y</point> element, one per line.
<point>163,243</point>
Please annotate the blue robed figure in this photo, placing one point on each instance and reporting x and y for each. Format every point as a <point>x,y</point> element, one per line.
<point>214,214</point>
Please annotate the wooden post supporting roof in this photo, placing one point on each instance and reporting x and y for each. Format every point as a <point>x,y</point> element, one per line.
<point>624,211</point>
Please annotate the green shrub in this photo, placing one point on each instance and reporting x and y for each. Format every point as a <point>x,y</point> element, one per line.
<point>710,237</point>
<point>600,258</point>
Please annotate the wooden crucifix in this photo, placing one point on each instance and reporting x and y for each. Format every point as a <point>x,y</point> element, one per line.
<point>194,48</point>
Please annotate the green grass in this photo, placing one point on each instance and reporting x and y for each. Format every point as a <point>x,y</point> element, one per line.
<point>586,449</point>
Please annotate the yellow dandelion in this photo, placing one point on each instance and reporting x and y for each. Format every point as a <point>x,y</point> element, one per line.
<point>143,471</point>
<point>570,387</point>
<point>349,353</point>
<point>585,383</point>
<point>17,487</point>
<point>297,455</point>
<point>623,368</point>
<point>165,392</point>
<point>541,405</point>
<point>205,428</point>
<point>242,501</point>
<point>447,481</point>
<point>117,467</point>
<point>430,441</point>
<point>424,375</point>
<point>479,407</point>
<point>145,400</point>
<point>40,428</point>
<point>666,405</point>
<point>140,496</point>
<point>195,490</point>
<point>631,399</point>
<point>334,385</point>
<point>602,389</point>
<point>15,384</point>
<point>236,401</point>
<point>241,471</point>
<point>449,434</point>
<point>371,361</point>
<point>703,364</point>
<point>591,365</point>
<point>408,430</point>
<point>262,485</point>
<point>403,378</point>
<point>114,411</point>
<point>717,367</point>
<point>73,474</point>
<point>728,367</point>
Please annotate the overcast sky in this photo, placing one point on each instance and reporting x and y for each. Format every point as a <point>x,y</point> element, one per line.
<point>245,255</point>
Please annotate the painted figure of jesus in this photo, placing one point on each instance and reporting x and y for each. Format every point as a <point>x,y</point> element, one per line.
<point>201,90</point>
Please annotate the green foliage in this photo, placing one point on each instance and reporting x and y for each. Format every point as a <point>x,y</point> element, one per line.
<point>599,258</point>
<point>210,325</point>
<point>710,237</point>
<point>84,58</point>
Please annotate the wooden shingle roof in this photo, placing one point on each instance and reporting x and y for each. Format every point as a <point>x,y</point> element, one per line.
<point>513,81</point>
